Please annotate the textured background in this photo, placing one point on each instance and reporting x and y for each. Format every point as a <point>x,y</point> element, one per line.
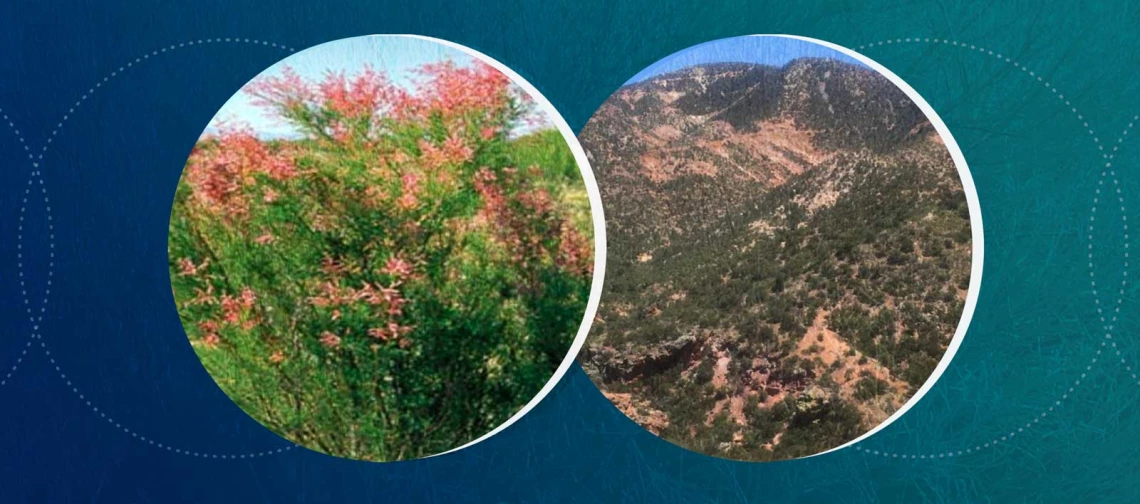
<point>103,399</point>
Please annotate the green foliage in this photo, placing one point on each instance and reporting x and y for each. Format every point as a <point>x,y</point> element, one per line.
<point>869,251</point>
<point>747,207</point>
<point>390,286</point>
<point>869,387</point>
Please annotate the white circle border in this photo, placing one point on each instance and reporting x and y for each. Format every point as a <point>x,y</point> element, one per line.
<point>596,213</point>
<point>598,220</point>
<point>976,230</point>
<point>977,235</point>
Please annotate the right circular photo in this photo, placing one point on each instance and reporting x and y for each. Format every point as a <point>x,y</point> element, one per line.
<point>794,247</point>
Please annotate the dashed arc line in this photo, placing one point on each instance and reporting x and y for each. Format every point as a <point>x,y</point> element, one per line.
<point>37,176</point>
<point>20,254</point>
<point>1107,324</point>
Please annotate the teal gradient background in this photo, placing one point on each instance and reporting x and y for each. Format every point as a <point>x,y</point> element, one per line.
<point>111,328</point>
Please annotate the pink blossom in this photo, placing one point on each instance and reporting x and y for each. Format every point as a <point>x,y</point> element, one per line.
<point>454,151</point>
<point>217,171</point>
<point>396,329</point>
<point>397,267</point>
<point>248,297</point>
<point>330,340</point>
<point>410,184</point>
<point>187,266</point>
<point>378,333</point>
<point>364,95</point>
<point>231,309</point>
<point>454,92</point>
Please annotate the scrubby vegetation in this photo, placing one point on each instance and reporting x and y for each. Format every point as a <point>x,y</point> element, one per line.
<point>788,254</point>
<point>398,281</point>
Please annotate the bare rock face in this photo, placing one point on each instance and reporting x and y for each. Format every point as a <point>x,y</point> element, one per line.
<point>613,365</point>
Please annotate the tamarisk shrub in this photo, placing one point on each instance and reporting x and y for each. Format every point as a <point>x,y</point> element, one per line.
<point>397,281</point>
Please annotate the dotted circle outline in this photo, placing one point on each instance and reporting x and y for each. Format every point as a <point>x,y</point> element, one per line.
<point>20,255</point>
<point>38,176</point>
<point>1108,326</point>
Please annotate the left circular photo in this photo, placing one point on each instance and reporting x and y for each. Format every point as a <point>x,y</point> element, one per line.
<point>385,247</point>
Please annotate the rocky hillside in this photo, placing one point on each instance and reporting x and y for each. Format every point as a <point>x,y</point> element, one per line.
<point>789,249</point>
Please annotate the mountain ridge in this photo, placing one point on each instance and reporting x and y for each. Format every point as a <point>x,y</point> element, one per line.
<point>786,244</point>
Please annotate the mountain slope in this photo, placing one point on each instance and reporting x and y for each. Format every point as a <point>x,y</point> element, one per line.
<point>788,254</point>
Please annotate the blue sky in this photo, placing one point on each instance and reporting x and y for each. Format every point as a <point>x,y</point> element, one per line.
<point>768,50</point>
<point>396,56</point>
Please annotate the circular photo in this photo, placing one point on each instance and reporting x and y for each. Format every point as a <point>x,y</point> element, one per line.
<point>792,246</point>
<point>382,248</point>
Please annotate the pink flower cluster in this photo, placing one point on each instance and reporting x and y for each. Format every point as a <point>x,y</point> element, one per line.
<point>236,311</point>
<point>386,301</point>
<point>527,223</point>
<point>220,170</point>
<point>365,94</point>
<point>454,151</point>
<point>456,92</point>
<point>409,164</point>
<point>357,106</point>
<point>410,187</point>
<point>188,268</point>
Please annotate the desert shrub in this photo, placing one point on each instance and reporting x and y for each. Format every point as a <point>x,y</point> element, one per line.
<point>704,372</point>
<point>869,387</point>
<point>813,431</point>
<point>763,258</point>
<point>398,281</point>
